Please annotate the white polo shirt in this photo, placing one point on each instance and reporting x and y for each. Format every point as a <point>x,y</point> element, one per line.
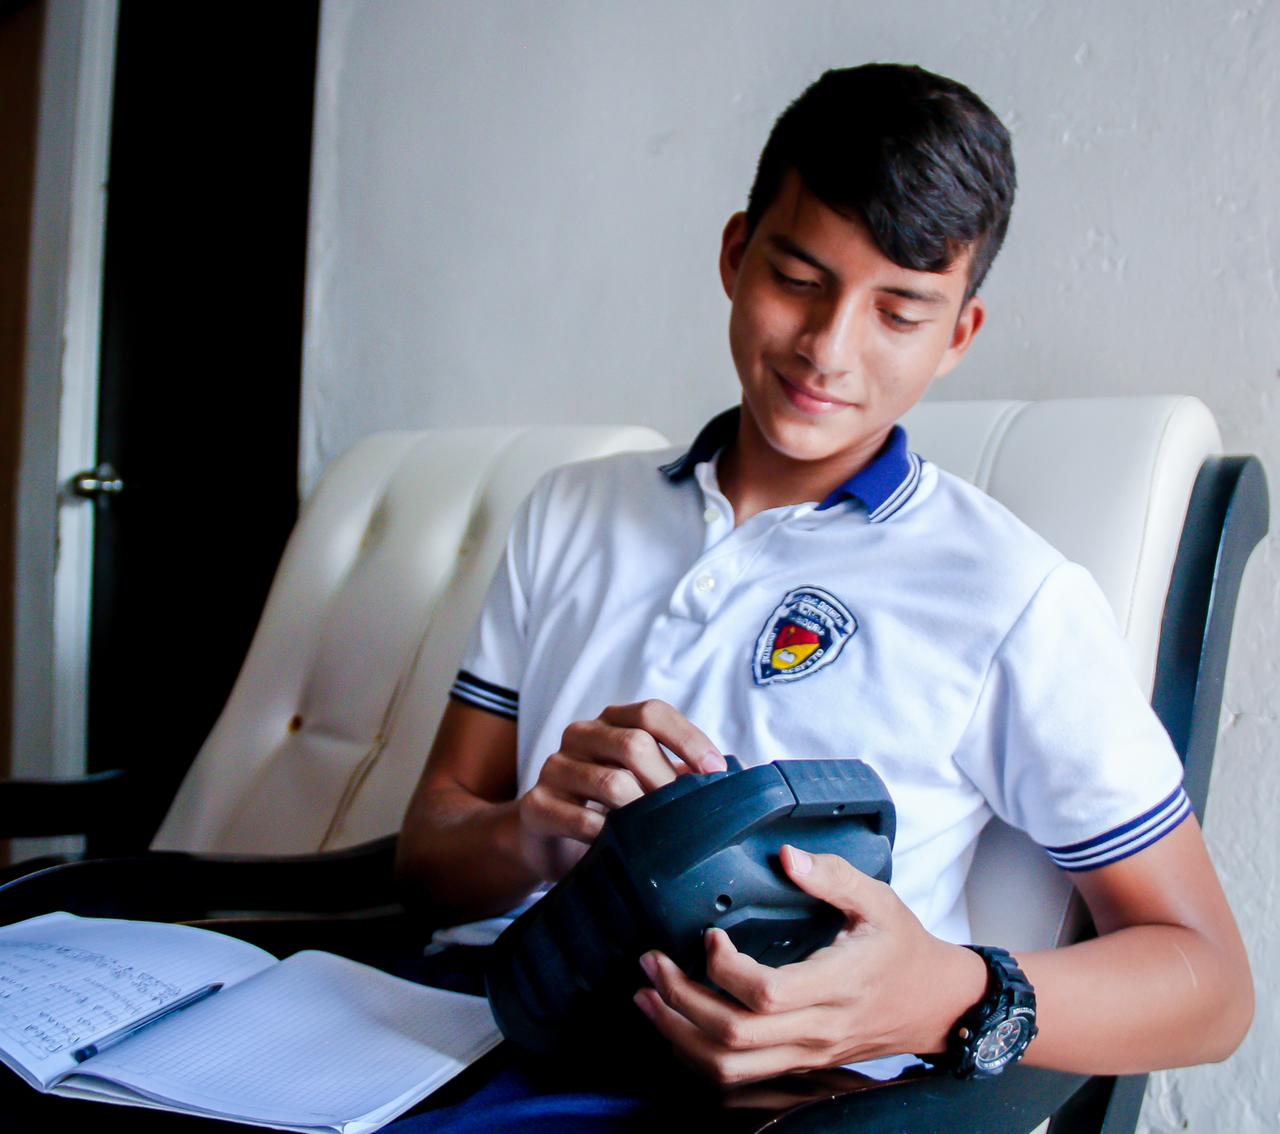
<point>907,620</point>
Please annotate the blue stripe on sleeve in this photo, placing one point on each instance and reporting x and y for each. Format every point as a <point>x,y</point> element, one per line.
<point>1127,839</point>
<point>473,690</point>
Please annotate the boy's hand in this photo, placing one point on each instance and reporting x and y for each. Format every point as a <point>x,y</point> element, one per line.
<point>884,986</point>
<point>603,764</point>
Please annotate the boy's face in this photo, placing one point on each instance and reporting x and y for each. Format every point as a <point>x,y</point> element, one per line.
<point>833,341</point>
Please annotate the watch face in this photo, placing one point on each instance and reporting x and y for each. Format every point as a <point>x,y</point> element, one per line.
<point>1001,1046</point>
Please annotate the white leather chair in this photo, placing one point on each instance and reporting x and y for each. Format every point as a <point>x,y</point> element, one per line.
<point>324,734</point>
<point>293,802</point>
<point>327,727</point>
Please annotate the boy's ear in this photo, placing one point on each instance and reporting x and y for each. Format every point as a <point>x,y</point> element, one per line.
<point>733,245</point>
<point>972,316</point>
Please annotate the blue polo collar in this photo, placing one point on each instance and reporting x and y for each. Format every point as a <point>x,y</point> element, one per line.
<point>883,486</point>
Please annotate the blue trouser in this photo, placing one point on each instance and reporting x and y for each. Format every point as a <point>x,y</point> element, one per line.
<point>497,1094</point>
<point>513,1101</point>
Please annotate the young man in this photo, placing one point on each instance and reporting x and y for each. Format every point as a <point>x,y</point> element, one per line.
<point>798,583</point>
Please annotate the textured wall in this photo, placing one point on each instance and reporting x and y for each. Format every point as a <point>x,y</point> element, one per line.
<point>517,211</point>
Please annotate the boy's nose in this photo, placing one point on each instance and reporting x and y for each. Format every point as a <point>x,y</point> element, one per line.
<point>830,338</point>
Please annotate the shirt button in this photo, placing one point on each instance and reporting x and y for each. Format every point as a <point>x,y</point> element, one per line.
<point>711,515</point>
<point>704,584</point>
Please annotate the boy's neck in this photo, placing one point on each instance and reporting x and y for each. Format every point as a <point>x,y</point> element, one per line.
<point>755,477</point>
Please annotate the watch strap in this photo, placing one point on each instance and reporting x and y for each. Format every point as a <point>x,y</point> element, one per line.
<point>1010,1002</point>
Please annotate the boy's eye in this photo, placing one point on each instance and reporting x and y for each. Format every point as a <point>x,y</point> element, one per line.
<point>900,322</point>
<point>793,281</point>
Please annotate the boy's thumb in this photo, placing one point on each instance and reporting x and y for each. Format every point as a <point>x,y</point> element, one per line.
<point>833,879</point>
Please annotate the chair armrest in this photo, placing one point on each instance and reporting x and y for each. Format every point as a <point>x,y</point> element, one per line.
<point>174,886</point>
<point>1013,1103</point>
<point>87,805</point>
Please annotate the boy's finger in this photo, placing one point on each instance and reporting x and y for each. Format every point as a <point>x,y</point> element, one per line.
<point>603,744</point>
<point>762,988</point>
<point>550,815</point>
<point>837,882</point>
<point>690,1045</point>
<point>730,1025</point>
<point>606,784</point>
<point>671,728</point>
<point>693,1046</point>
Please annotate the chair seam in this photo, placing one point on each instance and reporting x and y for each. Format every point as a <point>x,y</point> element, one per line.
<point>1000,430</point>
<point>361,771</point>
<point>1143,556</point>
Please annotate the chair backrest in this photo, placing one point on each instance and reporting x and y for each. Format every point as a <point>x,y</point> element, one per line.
<point>326,729</point>
<point>1107,482</point>
<point>325,732</point>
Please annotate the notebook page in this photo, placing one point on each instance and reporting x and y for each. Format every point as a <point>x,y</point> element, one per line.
<point>66,981</point>
<point>317,1041</point>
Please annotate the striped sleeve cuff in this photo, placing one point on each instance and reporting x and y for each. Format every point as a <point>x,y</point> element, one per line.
<point>473,690</point>
<point>1129,838</point>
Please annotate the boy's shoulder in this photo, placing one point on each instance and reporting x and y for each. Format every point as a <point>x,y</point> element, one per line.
<point>958,526</point>
<point>951,503</point>
<point>627,476</point>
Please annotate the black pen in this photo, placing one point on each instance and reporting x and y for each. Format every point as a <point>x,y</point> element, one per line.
<point>112,1038</point>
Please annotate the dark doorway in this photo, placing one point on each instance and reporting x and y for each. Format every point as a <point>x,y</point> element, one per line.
<point>201,367</point>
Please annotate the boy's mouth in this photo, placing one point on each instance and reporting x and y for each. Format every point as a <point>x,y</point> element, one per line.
<point>808,400</point>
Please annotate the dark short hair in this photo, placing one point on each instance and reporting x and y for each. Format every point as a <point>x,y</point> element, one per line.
<point>918,157</point>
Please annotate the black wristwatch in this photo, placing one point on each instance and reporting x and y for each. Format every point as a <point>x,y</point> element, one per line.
<point>996,1031</point>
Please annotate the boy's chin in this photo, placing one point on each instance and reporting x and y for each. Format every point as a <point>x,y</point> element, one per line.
<point>811,444</point>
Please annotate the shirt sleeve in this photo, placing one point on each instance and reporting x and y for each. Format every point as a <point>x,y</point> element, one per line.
<point>493,663</point>
<point>1063,743</point>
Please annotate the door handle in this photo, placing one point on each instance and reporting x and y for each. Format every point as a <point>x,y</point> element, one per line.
<point>97,484</point>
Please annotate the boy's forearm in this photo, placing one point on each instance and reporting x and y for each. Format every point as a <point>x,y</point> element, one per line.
<point>1155,992</point>
<point>1139,998</point>
<point>459,856</point>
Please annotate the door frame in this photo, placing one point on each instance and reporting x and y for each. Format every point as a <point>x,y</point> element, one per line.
<point>60,411</point>
<point>78,412</point>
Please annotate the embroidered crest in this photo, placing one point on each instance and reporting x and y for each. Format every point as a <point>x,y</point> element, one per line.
<point>807,631</point>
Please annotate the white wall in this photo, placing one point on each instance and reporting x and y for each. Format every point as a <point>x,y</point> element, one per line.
<point>517,211</point>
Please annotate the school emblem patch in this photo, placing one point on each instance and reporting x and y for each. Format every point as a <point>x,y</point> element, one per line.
<point>807,631</point>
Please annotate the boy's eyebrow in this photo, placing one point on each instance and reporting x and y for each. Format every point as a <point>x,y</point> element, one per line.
<point>788,246</point>
<point>791,248</point>
<point>915,295</point>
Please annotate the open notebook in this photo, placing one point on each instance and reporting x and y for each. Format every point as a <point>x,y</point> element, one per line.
<point>311,1043</point>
